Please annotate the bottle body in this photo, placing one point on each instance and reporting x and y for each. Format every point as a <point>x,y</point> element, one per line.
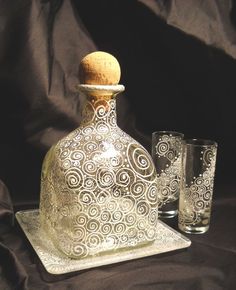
<point>98,187</point>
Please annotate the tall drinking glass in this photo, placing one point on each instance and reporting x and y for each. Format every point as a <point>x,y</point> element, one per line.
<point>167,157</point>
<point>199,160</point>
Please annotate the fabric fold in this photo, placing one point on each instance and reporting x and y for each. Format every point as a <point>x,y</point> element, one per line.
<point>210,21</point>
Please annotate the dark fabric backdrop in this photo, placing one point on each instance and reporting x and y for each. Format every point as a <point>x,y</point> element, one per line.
<point>174,80</point>
<point>178,62</point>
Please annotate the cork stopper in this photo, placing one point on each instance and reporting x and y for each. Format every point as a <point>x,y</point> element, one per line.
<point>99,68</point>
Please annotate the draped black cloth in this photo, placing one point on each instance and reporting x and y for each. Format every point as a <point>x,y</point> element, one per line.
<point>178,62</point>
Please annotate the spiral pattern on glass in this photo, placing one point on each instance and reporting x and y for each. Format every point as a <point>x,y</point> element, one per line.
<point>74,178</point>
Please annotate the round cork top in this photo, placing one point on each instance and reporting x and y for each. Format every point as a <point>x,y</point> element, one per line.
<point>99,68</point>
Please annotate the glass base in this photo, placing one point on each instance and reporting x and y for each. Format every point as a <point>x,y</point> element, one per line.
<point>167,214</point>
<point>168,210</point>
<point>194,229</point>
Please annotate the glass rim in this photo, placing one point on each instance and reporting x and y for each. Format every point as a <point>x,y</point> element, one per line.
<point>173,133</point>
<point>200,142</point>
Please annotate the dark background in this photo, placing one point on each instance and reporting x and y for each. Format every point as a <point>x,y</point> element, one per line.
<point>178,62</point>
<point>174,80</point>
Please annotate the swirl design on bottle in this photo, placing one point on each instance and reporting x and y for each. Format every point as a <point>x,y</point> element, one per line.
<point>65,153</point>
<point>94,211</point>
<point>105,178</point>
<point>66,164</point>
<point>117,216</point>
<point>140,162</point>
<point>92,225</point>
<point>101,187</point>
<point>90,183</point>
<point>102,128</point>
<point>90,146</point>
<point>130,219</point>
<point>151,195</point>
<point>89,167</point>
<point>124,176</point>
<point>77,155</point>
<point>86,197</point>
<point>127,204</point>
<point>74,178</point>
<point>81,219</point>
<point>143,208</point>
<point>79,250</point>
<point>101,110</point>
<point>79,232</point>
<point>106,228</point>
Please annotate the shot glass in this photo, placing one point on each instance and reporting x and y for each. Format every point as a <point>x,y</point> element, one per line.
<point>167,157</point>
<point>195,201</point>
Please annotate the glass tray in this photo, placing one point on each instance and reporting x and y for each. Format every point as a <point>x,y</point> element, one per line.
<point>55,262</point>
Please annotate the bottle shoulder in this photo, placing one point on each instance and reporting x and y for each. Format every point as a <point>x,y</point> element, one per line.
<point>89,137</point>
<point>87,149</point>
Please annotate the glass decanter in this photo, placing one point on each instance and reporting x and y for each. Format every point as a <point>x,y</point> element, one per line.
<point>98,185</point>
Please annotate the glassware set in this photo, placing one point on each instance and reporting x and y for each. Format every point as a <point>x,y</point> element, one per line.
<point>185,177</point>
<point>99,191</point>
<point>102,194</point>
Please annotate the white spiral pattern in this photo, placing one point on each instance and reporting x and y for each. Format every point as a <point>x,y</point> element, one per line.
<point>102,128</point>
<point>116,161</point>
<point>105,216</point>
<point>112,205</point>
<point>112,119</point>
<point>119,228</point>
<point>90,146</point>
<point>140,162</point>
<point>153,216</point>
<point>143,208</point>
<point>79,232</point>
<point>90,183</point>
<point>77,155</point>
<point>92,225</point>
<point>79,250</point>
<point>117,216</point>
<point>81,219</point>
<point>151,195</point>
<point>127,204</point>
<point>104,187</point>
<point>105,178</point>
<point>65,153</point>
<point>106,228</point>
<point>74,178</point>
<point>169,151</point>
<point>66,164</point>
<point>94,211</point>
<point>138,188</point>
<point>162,148</point>
<point>86,197</point>
<point>208,157</point>
<point>199,194</point>
<point>89,167</point>
<point>87,131</point>
<point>130,219</point>
<point>124,177</point>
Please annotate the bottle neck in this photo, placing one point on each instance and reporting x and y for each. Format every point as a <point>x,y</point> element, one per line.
<point>102,110</point>
<point>100,105</point>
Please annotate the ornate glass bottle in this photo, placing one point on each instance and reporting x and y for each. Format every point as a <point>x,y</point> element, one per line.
<point>98,185</point>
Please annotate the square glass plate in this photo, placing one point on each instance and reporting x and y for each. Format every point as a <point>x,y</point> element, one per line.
<point>55,262</point>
